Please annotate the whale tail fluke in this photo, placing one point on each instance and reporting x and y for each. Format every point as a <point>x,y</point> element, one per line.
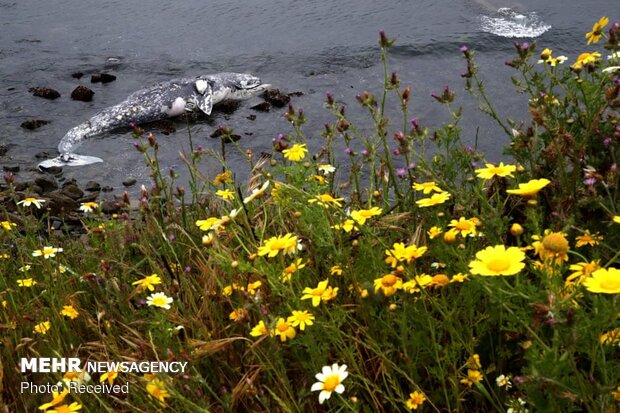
<point>69,159</point>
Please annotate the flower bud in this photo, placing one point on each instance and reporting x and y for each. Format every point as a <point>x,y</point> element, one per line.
<point>516,229</point>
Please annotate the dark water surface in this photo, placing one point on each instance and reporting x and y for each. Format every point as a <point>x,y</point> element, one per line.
<point>311,47</point>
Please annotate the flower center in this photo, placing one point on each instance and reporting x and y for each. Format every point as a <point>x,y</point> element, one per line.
<point>388,280</point>
<point>610,284</point>
<point>556,243</point>
<point>331,382</point>
<point>283,327</point>
<point>463,225</point>
<point>499,265</point>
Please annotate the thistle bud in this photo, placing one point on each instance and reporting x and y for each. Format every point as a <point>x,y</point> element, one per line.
<point>330,99</point>
<point>151,140</point>
<point>394,82</point>
<point>406,94</point>
<point>384,42</point>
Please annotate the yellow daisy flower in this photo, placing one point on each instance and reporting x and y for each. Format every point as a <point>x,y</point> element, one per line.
<point>43,327</point>
<point>588,239</point>
<point>604,280</point>
<point>464,226</point>
<point>57,398</point>
<point>148,282</point>
<point>416,399</point>
<point>388,284</point>
<point>427,187</point>
<point>473,376</point>
<point>597,30</point>
<point>69,311</point>
<point>26,282</point>
<point>326,200</point>
<point>225,193</point>
<point>435,199</point>
<point>360,216</point>
<point>295,153</point>
<point>491,171</point>
<point>259,329</point>
<point>498,260</point>
<point>284,330</point>
<point>287,243</point>
<point>531,188</point>
<point>301,319</point>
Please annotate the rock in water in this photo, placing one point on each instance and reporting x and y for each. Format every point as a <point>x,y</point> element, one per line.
<point>82,93</point>
<point>44,92</point>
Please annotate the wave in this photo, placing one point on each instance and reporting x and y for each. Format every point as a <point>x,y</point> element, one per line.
<point>509,23</point>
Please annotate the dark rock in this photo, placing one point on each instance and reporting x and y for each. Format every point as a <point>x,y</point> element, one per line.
<point>92,186</point>
<point>72,191</point>
<point>71,181</point>
<point>33,124</point>
<point>77,75</point>
<point>276,98</point>
<point>55,223</point>
<point>54,170</point>
<point>107,78</point>
<point>251,117</point>
<point>262,107</point>
<point>165,126</point>
<point>59,203</point>
<point>129,182</point>
<point>42,155</point>
<point>36,189</point>
<point>89,198</point>
<point>111,207</point>
<point>102,77</point>
<point>46,183</point>
<point>82,93</point>
<point>22,186</point>
<point>231,138</point>
<point>44,92</point>
<point>248,133</point>
<point>11,168</point>
<point>296,94</point>
<point>3,150</point>
<point>228,107</point>
<point>107,188</point>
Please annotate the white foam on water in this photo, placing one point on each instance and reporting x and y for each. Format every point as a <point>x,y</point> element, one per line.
<point>508,23</point>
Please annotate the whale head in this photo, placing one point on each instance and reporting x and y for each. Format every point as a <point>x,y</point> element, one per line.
<point>236,86</point>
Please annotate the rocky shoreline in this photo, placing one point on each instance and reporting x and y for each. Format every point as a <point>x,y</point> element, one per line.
<point>63,197</point>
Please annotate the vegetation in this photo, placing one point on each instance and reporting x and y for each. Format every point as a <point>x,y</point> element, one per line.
<point>455,283</point>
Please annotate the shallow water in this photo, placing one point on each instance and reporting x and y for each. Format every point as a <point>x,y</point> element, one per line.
<point>310,47</point>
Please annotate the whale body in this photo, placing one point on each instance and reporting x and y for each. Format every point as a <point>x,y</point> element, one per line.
<point>162,101</point>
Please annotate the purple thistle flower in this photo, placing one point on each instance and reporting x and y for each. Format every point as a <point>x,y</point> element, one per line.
<point>401,172</point>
